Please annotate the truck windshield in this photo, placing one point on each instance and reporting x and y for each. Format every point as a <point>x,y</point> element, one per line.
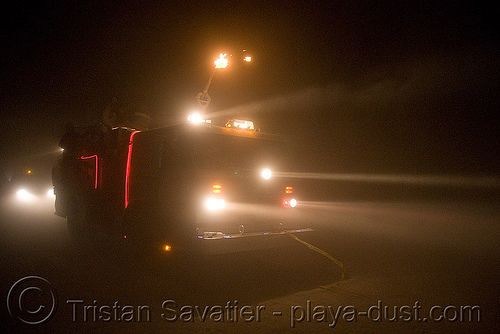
<point>219,151</point>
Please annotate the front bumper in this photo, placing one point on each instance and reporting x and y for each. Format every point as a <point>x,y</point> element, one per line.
<point>212,242</point>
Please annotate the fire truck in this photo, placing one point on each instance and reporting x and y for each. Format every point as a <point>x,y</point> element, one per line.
<point>195,184</point>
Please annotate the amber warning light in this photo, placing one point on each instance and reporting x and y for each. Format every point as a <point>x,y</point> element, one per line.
<point>222,61</point>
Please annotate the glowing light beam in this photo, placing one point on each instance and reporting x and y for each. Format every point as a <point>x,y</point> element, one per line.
<point>425,180</point>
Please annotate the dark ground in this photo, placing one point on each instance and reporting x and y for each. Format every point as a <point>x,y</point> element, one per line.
<point>400,245</point>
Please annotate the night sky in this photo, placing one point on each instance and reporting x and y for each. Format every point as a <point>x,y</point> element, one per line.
<point>353,86</point>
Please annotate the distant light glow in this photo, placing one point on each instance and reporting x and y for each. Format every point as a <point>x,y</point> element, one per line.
<point>293,203</point>
<point>248,59</point>
<point>50,193</point>
<point>167,248</point>
<point>266,173</point>
<point>196,118</point>
<point>222,61</point>
<point>241,124</point>
<point>24,195</point>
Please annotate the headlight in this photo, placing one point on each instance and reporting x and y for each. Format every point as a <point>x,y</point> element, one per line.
<point>195,118</point>
<point>215,204</point>
<point>266,174</point>
<point>24,195</point>
<point>290,202</point>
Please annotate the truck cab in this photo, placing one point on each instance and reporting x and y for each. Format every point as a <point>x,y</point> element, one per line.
<point>188,185</point>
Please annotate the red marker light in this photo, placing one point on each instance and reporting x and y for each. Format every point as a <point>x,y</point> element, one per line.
<point>96,167</point>
<point>127,170</point>
<point>289,202</point>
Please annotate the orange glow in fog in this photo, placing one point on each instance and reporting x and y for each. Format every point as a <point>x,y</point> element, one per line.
<point>222,61</point>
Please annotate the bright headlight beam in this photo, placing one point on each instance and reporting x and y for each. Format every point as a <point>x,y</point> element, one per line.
<point>215,204</point>
<point>423,180</point>
<point>195,118</point>
<point>266,173</point>
<point>211,204</point>
<point>24,195</point>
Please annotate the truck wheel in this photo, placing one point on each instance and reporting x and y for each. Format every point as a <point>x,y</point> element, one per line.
<point>77,220</point>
